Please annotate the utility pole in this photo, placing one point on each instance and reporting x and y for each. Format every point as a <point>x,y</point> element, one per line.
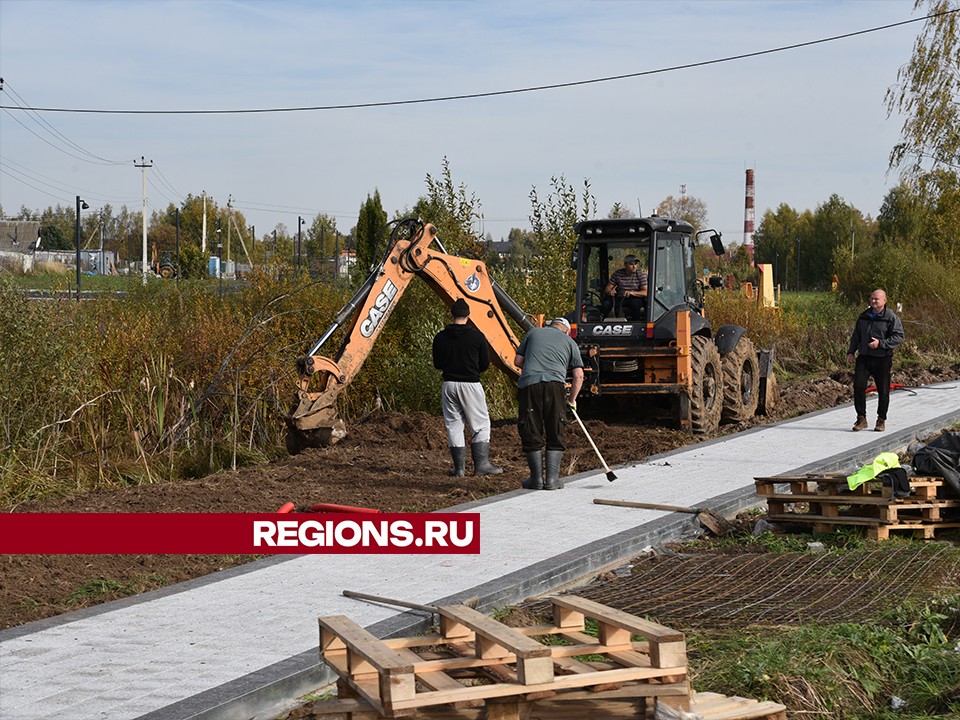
<point>143,165</point>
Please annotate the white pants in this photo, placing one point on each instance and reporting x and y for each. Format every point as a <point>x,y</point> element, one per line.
<point>464,404</point>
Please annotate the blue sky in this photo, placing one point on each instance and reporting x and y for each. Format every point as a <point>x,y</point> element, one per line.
<point>810,121</point>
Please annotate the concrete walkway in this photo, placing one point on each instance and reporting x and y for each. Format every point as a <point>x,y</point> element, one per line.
<point>242,642</point>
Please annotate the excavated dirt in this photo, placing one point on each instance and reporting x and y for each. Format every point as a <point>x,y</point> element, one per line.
<point>392,462</point>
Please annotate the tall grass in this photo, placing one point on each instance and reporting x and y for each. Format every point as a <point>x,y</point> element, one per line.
<point>168,381</point>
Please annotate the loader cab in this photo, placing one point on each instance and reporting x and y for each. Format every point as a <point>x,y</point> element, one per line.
<point>664,250</point>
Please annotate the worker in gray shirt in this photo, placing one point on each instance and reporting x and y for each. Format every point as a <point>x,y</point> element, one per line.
<point>545,357</point>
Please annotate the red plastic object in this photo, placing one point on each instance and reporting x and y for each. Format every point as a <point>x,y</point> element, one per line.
<point>893,386</point>
<point>331,508</point>
<point>287,507</point>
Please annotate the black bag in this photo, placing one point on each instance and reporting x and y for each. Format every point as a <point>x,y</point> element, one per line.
<point>941,457</point>
<point>898,481</point>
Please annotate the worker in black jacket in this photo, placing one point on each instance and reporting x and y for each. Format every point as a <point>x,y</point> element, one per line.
<point>460,351</point>
<point>877,332</point>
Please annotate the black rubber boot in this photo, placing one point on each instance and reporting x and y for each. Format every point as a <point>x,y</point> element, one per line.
<point>553,481</point>
<point>535,481</point>
<point>459,455</point>
<point>481,460</point>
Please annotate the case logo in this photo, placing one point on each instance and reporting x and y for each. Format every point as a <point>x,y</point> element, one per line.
<point>613,329</point>
<point>379,309</point>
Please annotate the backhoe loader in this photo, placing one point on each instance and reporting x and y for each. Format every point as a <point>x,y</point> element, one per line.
<point>669,350</point>
<point>666,346</point>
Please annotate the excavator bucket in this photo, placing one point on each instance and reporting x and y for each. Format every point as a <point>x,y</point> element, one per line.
<point>313,422</point>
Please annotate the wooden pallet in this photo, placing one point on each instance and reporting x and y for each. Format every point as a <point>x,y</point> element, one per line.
<point>824,502</point>
<point>924,488</point>
<point>475,659</point>
<point>573,706</point>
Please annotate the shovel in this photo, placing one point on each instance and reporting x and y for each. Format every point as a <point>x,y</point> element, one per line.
<point>710,519</point>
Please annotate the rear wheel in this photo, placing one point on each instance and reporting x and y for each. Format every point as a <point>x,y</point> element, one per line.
<point>741,382</point>
<point>706,400</point>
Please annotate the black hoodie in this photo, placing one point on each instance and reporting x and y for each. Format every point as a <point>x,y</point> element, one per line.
<point>460,351</point>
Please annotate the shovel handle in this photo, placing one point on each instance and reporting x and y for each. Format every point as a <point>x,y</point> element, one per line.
<point>645,506</point>
<point>589,439</point>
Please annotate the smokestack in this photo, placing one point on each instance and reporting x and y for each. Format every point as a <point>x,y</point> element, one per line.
<point>748,215</point>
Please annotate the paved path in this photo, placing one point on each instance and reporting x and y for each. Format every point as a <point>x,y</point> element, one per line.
<point>237,644</point>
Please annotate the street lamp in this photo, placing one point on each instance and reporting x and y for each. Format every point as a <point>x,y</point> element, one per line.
<point>299,239</point>
<point>177,276</point>
<point>219,260</point>
<point>798,263</point>
<point>81,205</point>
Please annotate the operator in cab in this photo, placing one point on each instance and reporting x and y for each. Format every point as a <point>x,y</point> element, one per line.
<point>628,290</point>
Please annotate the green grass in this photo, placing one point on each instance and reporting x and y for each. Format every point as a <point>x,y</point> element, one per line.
<point>839,670</point>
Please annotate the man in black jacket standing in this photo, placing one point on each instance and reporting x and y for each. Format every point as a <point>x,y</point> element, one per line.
<point>460,351</point>
<point>877,332</point>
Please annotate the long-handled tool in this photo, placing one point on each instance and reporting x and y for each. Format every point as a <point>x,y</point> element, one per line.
<point>469,602</point>
<point>610,475</point>
<point>710,519</point>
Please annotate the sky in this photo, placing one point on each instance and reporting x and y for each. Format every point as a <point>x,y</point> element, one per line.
<point>810,121</point>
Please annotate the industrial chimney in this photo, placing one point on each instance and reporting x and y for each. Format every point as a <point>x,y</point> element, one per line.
<point>748,215</point>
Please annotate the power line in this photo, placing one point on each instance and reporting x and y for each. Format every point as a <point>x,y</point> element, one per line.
<point>59,136</point>
<point>167,183</point>
<point>493,93</point>
<point>18,171</point>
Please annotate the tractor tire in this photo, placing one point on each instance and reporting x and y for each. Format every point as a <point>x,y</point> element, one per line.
<point>741,382</point>
<point>706,402</point>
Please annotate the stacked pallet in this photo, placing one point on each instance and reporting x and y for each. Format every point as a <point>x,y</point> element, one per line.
<point>478,667</point>
<point>825,503</point>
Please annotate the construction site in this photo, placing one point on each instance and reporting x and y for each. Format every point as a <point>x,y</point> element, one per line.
<point>579,603</point>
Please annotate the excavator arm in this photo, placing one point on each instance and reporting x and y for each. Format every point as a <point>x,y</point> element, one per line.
<point>313,420</point>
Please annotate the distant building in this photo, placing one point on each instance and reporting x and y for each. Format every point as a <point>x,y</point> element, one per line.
<point>499,248</point>
<point>20,248</point>
<point>19,240</point>
<point>19,236</point>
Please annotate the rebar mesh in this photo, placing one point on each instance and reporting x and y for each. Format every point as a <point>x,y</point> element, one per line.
<point>723,589</point>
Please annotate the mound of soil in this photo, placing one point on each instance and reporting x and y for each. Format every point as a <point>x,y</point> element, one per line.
<point>389,461</point>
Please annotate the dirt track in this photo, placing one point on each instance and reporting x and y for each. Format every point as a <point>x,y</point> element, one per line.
<point>390,462</point>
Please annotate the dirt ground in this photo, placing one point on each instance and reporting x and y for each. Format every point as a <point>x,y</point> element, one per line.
<point>391,462</point>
